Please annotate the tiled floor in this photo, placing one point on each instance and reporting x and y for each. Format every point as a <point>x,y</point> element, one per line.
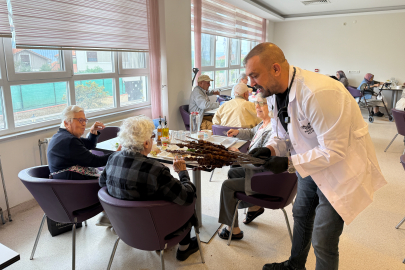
<point>370,242</point>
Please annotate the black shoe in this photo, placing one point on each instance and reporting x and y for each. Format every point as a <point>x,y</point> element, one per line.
<point>279,266</point>
<point>192,248</point>
<point>379,114</point>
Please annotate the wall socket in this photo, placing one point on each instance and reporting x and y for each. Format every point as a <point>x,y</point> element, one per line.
<point>354,71</point>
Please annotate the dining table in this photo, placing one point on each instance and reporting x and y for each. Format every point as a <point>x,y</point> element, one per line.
<point>7,256</point>
<point>208,224</point>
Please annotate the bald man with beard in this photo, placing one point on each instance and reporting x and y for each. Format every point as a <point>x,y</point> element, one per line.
<point>318,132</point>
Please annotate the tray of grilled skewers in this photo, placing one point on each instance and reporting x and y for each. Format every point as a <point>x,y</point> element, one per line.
<point>207,156</point>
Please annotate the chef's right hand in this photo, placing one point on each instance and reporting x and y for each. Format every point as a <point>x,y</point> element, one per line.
<point>232,132</point>
<point>260,152</point>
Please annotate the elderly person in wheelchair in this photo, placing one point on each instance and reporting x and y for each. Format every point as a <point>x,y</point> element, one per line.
<point>240,177</point>
<point>131,175</point>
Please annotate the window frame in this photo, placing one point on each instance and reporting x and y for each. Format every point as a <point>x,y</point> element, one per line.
<point>229,67</point>
<point>10,78</point>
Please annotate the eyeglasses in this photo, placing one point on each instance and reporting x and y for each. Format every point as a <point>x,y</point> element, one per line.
<point>82,121</point>
<point>153,136</point>
<point>260,103</point>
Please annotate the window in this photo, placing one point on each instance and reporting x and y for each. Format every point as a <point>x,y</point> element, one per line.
<point>227,64</point>
<point>35,103</point>
<point>91,56</point>
<point>38,84</point>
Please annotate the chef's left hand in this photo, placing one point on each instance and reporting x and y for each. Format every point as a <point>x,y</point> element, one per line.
<point>96,126</point>
<point>276,164</point>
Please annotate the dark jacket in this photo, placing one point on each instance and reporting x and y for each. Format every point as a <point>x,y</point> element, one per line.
<point>135,177</point>
<point>66,150</point>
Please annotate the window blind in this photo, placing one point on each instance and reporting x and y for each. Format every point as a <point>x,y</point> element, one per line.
<point>4,23</point>
<point>81,24</point>
<point>223,19</point>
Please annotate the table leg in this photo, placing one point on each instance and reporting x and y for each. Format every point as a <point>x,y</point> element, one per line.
<point>208,225</point>
<point>197,183</point>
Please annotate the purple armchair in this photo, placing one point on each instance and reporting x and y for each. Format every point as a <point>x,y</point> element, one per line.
<point>399,118</point>
<point>222,98</point>
<point>185,115</point>
<point>152,220</point>
<point>106,134</point>
<point>65,201</point>
<point>276,192</point>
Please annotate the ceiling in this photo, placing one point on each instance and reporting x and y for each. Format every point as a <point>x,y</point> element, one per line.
<point>280,10</point>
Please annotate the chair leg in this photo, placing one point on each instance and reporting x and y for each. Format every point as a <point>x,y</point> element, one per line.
<point>74,245</point>
<point>390,143</point>
<point>212,173</point>
<point>199,245</point>
<point>288,223</point>
<point>38,235</point>
<point>399,224</point>
<point>85,223</point>
<point>233,223</point>
<point>113,253</point>
<point>162,260</point>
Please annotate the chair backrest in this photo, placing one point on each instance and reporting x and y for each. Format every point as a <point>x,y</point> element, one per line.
<point>221,130</point>
<point>108,133</point>
<point>144,224</point>
<point>354,91</point>
<point>399,117</point>
<point>185,115</point>
<point>62,200</point>
<point>402,160</point>
<point>283,186</point>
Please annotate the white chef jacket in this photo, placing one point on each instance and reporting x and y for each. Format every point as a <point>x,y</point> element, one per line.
<point>329,141</point>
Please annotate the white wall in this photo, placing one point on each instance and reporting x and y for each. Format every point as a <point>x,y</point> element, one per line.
<point>21,152</point>
<point>368,43</point>
<point>175,22</point>
<point>270,31</point>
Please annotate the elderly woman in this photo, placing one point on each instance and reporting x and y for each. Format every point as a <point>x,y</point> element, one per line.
<point>367,86</point>
<point>341,76</point>
<point>243,78</point>
<point>239,177</point>
<point>69,155</point>
<point>123,171</point>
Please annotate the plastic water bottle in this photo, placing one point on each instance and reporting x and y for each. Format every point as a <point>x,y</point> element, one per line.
<point>194,123</point>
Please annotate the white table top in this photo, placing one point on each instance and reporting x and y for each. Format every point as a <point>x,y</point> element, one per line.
<point>213,111</point>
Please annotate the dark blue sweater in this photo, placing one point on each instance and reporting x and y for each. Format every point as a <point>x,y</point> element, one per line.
<point>66,150</point>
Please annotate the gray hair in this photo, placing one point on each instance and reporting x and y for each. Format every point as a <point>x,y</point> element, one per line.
<point>134,131</point>
<point>241,76</point>
<point>68,114</point>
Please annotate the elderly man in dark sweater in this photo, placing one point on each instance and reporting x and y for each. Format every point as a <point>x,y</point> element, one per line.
<point>131,175</point>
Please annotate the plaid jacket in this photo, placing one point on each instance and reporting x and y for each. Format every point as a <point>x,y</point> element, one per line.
<point>138,178</point>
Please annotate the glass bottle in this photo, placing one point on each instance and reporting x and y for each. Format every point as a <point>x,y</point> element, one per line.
<point>165,130</point>
<point>159,131</point>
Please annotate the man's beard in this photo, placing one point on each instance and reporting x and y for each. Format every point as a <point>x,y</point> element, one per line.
<point>265,91</point>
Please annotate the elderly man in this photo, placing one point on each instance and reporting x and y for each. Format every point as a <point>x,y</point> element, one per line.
<point>331,151</point>
<point>200,102</point>
<point>238,112</point>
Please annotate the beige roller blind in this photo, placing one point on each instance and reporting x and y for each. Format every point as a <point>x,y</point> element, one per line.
<point>81,24</point>
<point>4,23</point>
<point>223,19</point>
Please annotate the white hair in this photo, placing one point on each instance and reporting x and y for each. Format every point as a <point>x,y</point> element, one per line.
<point>241,76</point>
<point>134,131</point>
<point>240,89</point>
<point>69,113</point>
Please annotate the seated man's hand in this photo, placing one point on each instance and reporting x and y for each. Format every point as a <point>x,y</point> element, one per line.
<point>96,126</point>
<point>179,164</point>
<point>215,93</point>
<point>276,164</point>
<point>260,152</point>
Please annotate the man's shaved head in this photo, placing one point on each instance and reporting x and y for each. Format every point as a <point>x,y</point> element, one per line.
<point>267,68</point>
<point>269,53</point>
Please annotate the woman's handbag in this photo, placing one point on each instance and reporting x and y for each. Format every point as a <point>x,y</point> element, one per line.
<point>56,228</point>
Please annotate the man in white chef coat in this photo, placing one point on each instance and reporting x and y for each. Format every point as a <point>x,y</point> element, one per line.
<point>317,130</point>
